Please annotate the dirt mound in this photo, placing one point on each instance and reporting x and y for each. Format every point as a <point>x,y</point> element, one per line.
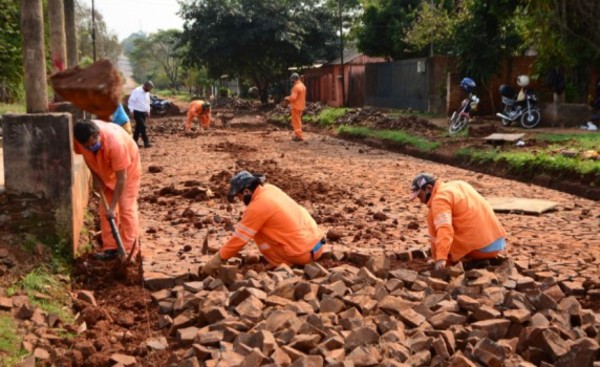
<point>376,119</point>
<point>234,103</point>
<point>95,89</point>
<point>231,148</point>
<point>293,185</point>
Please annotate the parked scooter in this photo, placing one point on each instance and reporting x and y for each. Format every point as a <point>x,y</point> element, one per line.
<point>460,118</point>
<point>158,106</point>
<point>521,107</point>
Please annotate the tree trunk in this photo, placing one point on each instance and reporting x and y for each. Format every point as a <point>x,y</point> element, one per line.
<point>58,39</point>
<point>71,33</point>
<point>34,60</point>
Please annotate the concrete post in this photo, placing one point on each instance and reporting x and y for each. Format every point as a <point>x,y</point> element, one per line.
<point>34,56</point>
<point>58,39</point>
<point>39,160</point>
<point>71,33</point>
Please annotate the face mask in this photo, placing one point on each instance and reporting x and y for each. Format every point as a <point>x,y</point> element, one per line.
<point>247,199</point>
<point>94,148</point>
<point>427,196</point>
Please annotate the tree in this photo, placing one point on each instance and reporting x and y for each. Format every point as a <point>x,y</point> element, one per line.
<point>11,56</point>
<point>107,43</point>
<point>257,39</point>
<point>384,24</point>
<point>160,49</point>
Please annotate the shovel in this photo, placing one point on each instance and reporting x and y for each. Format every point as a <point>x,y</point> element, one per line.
<point>124,258</point>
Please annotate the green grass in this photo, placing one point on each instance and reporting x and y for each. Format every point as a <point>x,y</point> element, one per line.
<point>10,342</point>
<point>583,141</point>
<point>327,116</point>
<point>12,108</point>
<point>528,162</point>
<point>397,136</point>
<point>42,281</point>
<point>167,93</point>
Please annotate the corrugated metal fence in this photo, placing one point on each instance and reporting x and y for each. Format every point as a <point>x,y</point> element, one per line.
<point>399,84</point>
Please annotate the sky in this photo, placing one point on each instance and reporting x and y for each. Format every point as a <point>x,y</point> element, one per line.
<point>125,17</point>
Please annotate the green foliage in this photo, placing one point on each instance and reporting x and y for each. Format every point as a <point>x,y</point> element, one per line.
<point>107,42</point>
<point>224,92</point>
<point>529,162</point>
<point>435,23</point>
<point>257,39</point>
<point>11,56</point>
<point>12,108</point>
<point>383,27</point>
<point>328,116</point>
<point>397,136</point>
<point>10,341</point>
<point>585,141</point>
<point>42,281</point>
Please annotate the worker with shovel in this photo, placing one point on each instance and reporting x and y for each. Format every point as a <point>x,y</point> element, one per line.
<point>201,110</point>
<point>462,224</point>
<point>114,159</point>
<point>297,101</point>
<point>284,231</point>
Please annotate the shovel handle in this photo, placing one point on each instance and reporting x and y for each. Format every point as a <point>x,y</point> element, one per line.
<point>113,227</point>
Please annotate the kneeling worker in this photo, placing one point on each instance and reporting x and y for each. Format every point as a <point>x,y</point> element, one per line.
<point>201,110</point>
<point>284,231</point>
<point>462,224</point>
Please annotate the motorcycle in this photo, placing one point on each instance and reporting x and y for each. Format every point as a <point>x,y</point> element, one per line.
<point>525,111</point>
<point>158,106</point>
<point>460,118</point>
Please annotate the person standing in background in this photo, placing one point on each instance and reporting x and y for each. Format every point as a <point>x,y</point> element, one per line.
<point>139,106</point>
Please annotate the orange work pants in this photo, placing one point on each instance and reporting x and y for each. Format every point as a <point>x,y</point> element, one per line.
<point>276,257</point>
<point>203,119</point>
<point>297,122</point>
<point>127,218</point>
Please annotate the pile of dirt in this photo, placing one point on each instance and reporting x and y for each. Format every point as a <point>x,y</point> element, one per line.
<point>376,119</point>
<point>292,184</point>
<point>234,103</point>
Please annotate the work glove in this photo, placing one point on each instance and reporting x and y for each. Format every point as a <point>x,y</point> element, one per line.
<point>213,265</point>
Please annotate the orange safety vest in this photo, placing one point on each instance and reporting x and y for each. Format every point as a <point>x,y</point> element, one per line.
<point>460,220</point>
<point>298,96</point>
<point>278,221</point>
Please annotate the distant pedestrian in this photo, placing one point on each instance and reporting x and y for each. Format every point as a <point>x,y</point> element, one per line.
<point>120,118</point>
<point>201,110</point>
<point>462,224</point>
<point>297,101</point>
<point>139,106</point>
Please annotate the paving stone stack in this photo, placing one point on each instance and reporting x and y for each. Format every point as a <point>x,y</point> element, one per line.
<point>373,316</point>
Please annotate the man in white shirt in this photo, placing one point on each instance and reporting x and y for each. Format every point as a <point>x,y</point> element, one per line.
<point>139,106</point>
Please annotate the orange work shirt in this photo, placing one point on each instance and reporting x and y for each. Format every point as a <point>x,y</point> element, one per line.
<point>117,152</point>
<point>460,221</point>
<point>278,220</point>
<point>297,98</point>
<point>195,110</point>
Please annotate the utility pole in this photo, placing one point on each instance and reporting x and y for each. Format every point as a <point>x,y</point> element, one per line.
<point>34,56</point>
<point>342,53</point>
<point>94,30</point>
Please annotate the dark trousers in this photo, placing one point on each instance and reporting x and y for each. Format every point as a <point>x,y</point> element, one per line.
<point>140,127</point>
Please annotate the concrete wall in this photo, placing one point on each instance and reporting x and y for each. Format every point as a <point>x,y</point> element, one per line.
<point>39,160</point>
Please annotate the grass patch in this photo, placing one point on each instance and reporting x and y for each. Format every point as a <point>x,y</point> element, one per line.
<point>397,136</point>
<point>40,280</point>
<point>10,342</point>
<point>172,94</point>
<point>585,141</point>
<point>527,162</point>
<point>12,108</point>
<point>327,116</point>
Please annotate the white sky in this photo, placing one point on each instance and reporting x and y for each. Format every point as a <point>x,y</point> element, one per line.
<point>125,17</point>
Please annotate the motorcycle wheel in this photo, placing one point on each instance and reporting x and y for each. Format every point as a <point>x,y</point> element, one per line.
<point>530,118</point>
<point>457,123</point>
<point>506,112</point>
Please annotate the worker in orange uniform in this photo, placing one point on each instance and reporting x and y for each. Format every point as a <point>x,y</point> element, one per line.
<point>114,159</point>
<point>284,231</point>
<point>297,101</point>
<point>201,110</point>
<point>462,224</point>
